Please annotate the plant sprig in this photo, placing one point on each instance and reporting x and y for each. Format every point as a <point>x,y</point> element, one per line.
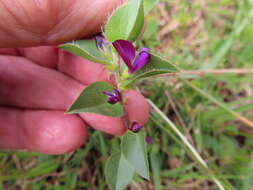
<point>115,49</point>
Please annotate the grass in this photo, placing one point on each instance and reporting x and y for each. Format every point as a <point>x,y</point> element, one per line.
<point>207,109</point>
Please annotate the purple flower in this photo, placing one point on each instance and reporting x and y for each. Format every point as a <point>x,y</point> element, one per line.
<point>135,127</point>
<point>148,140</point>
<point>127,52</point>
<point>99,41</point>
<point>113,97</point>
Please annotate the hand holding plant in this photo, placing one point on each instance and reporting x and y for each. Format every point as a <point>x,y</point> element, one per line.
<point>126,64</point>
<point>39,83</point>
<point>196,141</point>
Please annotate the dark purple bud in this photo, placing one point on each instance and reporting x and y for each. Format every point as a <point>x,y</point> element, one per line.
<point>126,51</point>
<point>135,127</point>
<point>148,140</point>
<point>117,94</point>
<point>141,60</point>
<point>99,41</point>
<point>114,97</point>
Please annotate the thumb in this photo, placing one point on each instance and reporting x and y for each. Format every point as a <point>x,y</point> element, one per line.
<point>47,22</point>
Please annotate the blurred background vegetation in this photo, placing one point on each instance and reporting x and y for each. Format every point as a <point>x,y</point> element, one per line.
<point>214,40</point>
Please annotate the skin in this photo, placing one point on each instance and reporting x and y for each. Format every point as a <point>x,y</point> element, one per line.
<point>39,81</point>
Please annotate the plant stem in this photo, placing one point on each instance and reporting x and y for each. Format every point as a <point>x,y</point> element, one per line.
<point>202,73</point>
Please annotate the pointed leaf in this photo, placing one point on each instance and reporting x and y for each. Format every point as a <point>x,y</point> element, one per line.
<point>92,100</point>
<point>126,22</point>
<point>134,149</point>
<point>156,66</point>
<point>118,172</point>
<point>86,49</point>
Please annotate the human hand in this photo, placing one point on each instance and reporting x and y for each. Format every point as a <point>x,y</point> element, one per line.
<point>37,84</point>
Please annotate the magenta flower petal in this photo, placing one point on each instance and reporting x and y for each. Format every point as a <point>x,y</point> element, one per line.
<point>126,51</point>
<point>99,41</point>
<point>135,127</point>
<point>141,60</point>
<point>148,140</point>
<point>117,94</point>
<point>112,100</point>
<point>107,93</point>
<point>114,97</point>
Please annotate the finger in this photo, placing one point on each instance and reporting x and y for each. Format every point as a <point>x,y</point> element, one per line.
<point>136,108</point>
<point>49,132</point>
<point>28,85</point>
<point>46,56</point>
<point>8,51</point>
<point>42,88</point>
<point>109,125</point>
<point>41,22</point>
<point>81,69</point>
<point>78,68</point>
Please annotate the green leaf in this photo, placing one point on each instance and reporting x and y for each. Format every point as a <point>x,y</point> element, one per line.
<point>134,149</point>
<point>156,66</point>
<point>126,22</point>
<point>148,5</point>
<point>92,100</point>
<point>86,49</point>
<point>118,172</point>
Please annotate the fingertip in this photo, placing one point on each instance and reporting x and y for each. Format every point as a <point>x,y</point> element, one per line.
<point>52,132</point>
<point>136,106</point>
<point>109,125</point>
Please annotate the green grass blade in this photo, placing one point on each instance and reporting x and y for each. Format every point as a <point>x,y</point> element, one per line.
<point>247,182</point>
<point>155,166</point>
<point>186,142</point>
<point>227,44</point>
<point>220,104</point>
